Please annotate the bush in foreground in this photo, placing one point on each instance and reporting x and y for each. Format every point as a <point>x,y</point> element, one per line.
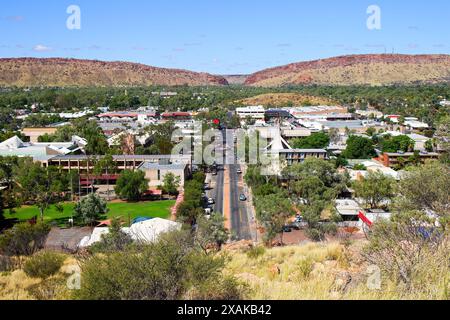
<point>170,269</point>
<point>43,264</point>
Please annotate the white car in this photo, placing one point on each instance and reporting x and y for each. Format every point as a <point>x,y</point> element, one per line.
<point>211,201</point>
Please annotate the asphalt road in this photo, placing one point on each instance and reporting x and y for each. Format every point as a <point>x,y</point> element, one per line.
<point>240,226</point>
<point>218,192</point>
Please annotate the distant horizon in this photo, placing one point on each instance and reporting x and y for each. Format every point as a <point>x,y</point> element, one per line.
<point>230,37</point>
<point>217,74</point>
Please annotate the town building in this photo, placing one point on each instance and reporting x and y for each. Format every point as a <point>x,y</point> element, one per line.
<point>296,156</point>
<point>323,111</point>
<point>369,114</point>
<point>85,164</point>
<point>394,159</point>
<point>176,116</point>
<point>41,151</point>
<point>35,133</point>
<point>348,209</point>
<point>415,124</point>
<point>127,116</point>
<point>277,114</point>
<point>254,112</point>
<point>155,173</point>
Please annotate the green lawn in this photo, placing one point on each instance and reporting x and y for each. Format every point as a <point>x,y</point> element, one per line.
<point>154,209</point>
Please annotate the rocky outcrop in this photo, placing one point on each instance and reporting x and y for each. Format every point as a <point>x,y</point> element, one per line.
<point>29,72</point>
<point>384,69</point>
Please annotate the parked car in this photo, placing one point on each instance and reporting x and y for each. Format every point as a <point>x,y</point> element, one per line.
<point>286,229</point>
<point>242,197</point>
<point>211,201</point>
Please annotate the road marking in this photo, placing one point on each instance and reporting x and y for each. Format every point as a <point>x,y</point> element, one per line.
<point>226,198</point>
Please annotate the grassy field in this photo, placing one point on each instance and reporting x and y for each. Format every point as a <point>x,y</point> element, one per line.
<point>154,209</point>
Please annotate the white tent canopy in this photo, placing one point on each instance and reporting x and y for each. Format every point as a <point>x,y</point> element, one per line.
<point>146,232</point>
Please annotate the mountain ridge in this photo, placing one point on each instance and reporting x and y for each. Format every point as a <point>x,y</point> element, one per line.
<point>367,69</point>
<point>82,72</point>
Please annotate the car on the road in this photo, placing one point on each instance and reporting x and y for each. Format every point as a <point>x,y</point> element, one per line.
<point>294,226</point>
<point>239,171</point>
<point>242,197</point>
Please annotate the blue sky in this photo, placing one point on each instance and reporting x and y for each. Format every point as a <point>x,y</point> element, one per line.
<point>221,36</point>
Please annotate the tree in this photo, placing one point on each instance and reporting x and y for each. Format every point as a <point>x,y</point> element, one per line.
<point>171,184</point>
<point>106,165</point>
<point>371,131</point>
<point>7,176</point>
<point>375,188</point>
<point>359,148</point>
<point>429,146</point>
<point>442,136</point>
<point>188,212</point>
<point>398,143</point>
<point>90,208</point>
<point>312,214</point>
<point>334,135</point>
<point>114,241</point>
<point>272,212</point>
<point>131,185</point>
<point>315,141</point>
<point>425,189</point>
<point>314,184</point>
<point>212,231</point>
<point>403,252</point>
<point>42,186</point>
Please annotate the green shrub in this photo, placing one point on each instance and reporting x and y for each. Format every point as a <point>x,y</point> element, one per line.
<point>256,252</point>
<point>6,264</point>
<point>23,239</point>
<point>43,264</point>
<point>170,269</point>
<point>305,267</point>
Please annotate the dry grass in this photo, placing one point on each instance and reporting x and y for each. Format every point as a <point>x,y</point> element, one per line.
<point>312,271</point>
<point>325,272</point>
<point>17,285</point>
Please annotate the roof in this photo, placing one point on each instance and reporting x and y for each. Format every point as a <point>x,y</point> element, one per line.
<point>303,151</point>
<point>39,151</point>
<point>126,114</point>
<point>157,166</point>
<point>150,230</point>
<point>12,143</point>
<point>176,114</point>
<point>146,231</point>
<point>347,207</point>
<point>123,157</point>
<point>343,124</point>
<point>409,154</point>
<point>66,239</point>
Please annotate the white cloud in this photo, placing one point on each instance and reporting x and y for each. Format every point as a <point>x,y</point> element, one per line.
<point>41,48</point>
